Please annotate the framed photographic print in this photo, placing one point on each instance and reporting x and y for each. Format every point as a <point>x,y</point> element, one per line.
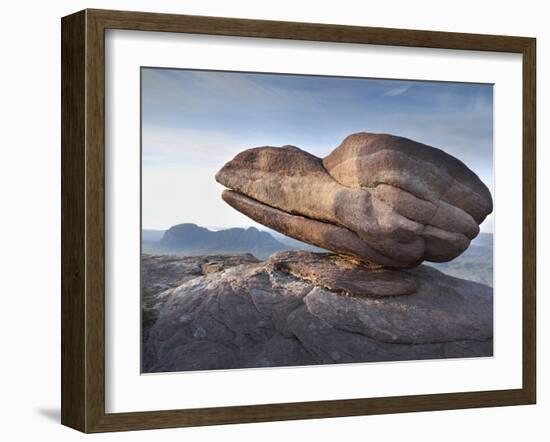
<point>268,220</point>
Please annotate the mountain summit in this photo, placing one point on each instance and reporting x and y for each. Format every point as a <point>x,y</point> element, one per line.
<point>192,239</point>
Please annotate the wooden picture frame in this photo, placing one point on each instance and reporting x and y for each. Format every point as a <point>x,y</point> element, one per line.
<point>83,220</point>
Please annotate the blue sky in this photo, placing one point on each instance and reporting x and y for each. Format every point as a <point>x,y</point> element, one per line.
<point>194,121</point>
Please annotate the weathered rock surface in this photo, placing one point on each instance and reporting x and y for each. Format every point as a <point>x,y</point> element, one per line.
<point>343,275</point>
<point>160,274</point>
<point>433,176</point>
<point>320,234</point>
<point>290,310</point>
<point>378,198</point>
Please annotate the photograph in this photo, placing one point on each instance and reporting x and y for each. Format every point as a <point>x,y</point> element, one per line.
<point>251,221</point>
<point>298,220</point>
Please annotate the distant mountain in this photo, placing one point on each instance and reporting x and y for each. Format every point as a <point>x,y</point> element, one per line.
<point>475,264</point>
<point>483,240</point>
<point>190,239</point>
<point>151,235</point>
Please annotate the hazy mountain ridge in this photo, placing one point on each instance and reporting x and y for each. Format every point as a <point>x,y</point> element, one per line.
<point>191,239</point>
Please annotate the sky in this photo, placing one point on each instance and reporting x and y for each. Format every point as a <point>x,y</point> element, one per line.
<point>194,121</point>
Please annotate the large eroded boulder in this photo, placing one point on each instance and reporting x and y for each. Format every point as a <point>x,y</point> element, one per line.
<point>303,308</point>
<point>379,198</point>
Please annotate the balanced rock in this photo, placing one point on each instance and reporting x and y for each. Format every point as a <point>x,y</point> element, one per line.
<point>378,198</point>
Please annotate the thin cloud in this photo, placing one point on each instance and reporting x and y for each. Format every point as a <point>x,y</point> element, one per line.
<point>397,91</point>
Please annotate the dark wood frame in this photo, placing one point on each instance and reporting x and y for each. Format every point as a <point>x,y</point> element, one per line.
<point>83,217</point>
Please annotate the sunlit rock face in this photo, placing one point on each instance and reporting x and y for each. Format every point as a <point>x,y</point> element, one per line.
<point>379,198</point>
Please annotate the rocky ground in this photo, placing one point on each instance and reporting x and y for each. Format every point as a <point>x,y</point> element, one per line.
<point>160,274</point>
<point>303,308</point>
